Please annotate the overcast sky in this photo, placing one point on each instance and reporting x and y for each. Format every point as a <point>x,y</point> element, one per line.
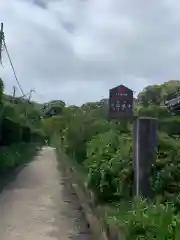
<point>75,50</point>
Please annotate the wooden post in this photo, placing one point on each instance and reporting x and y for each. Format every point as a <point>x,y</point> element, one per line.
<point>144,154</point>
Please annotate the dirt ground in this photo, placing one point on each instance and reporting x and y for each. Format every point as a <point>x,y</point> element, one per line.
<point>40,204</point>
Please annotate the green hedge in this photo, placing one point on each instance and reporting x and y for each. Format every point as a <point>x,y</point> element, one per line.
<point>13,132</point>
<point>16,155</point>
<point>170,125</point>
<point>26,134</point>
<point>10,132</point>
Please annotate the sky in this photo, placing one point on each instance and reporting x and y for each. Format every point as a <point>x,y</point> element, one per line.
<point>76,50</point>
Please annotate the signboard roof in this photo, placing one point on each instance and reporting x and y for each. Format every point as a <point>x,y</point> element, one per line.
<point>121,88</point>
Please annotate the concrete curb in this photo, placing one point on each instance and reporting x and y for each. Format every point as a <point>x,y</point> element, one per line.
<point>93,221</point>
<point>93,214</point>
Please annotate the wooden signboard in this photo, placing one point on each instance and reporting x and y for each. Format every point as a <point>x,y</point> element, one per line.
<point>121,103</point>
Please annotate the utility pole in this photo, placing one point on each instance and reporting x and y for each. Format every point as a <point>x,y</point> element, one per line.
<point>29,99</point>
<point>1,41</point>
<point>14,94</point>
<point>30,94</point>
<point>2,106</point>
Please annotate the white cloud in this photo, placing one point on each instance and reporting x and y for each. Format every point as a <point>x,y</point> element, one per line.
<point>76,50</point>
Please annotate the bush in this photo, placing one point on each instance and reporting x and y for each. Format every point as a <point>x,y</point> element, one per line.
<point>170,125</point>
<point>154,111</point>
<point>10,132</point>
<point>78,132</point>
<point>14,132</point>
<point>109,165</point>
<point>166,170</point>
<point>26,134</point>
<point>15,155</point>
<point>105,150</point>
<point>144,220</point>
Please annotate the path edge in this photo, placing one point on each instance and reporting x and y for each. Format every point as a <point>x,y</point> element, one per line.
<point>93,214</point>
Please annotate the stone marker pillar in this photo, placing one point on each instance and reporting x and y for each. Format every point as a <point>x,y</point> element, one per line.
<point>144,154</point>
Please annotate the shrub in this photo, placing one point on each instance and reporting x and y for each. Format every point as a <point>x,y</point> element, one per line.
<point>78,132</point>
<point>145,220</point>
<point>10,132</point>
<point>170,125</point>
<point>26,134</point>
<point>15,155</point>
<point>108,163</point>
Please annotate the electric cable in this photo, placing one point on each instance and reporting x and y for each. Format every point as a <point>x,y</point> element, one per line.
<point>15,75</point>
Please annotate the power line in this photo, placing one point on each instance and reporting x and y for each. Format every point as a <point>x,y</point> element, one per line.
<point>15,75</point>
<point>32,90</point>
<point>3,44</point>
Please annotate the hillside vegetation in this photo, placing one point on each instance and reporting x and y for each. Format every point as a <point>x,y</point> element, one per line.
<point>20,131</point>
<point>103,151</point>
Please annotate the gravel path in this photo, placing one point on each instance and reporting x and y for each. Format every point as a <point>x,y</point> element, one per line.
<point>40,205</point>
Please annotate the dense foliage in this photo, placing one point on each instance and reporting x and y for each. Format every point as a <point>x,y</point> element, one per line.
<point>20,130</point>
<point>104,149</point>
<point>15,155</point>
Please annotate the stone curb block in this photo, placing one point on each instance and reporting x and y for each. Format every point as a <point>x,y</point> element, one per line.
<point>94,223</point>
<point>92,213</point>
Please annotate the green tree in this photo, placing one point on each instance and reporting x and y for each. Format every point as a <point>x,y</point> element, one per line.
<point>54,107</point>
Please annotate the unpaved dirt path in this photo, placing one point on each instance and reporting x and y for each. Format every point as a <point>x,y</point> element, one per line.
<point>40,205</point>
